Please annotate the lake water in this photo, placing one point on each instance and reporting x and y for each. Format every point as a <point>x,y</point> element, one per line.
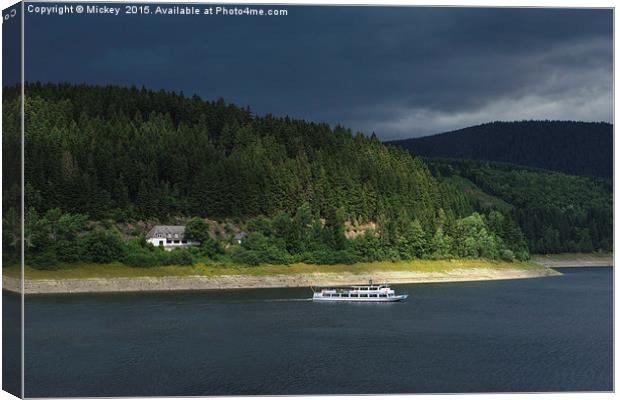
<point>546,334</point>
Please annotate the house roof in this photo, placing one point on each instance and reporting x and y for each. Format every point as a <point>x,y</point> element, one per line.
<point>167,231</point>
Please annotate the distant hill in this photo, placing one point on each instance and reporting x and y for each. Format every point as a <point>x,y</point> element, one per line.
<point>576,148</point>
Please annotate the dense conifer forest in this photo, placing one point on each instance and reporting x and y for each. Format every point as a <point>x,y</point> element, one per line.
<point>575,148</point>
<point>556,212</point>
<point>98,158</point>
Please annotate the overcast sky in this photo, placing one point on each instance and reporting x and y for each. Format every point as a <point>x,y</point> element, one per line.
<point>400,72</point>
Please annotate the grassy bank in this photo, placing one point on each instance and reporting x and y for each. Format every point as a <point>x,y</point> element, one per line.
<point>575,259</point>
<point>572,256</point>
<point>116,270</point>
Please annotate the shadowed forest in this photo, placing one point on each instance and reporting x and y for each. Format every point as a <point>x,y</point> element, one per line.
<point>576,148</point>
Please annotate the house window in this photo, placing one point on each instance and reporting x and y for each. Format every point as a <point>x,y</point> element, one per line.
<point>176,241</point>
<point>161,242</point>
<point>168,241</point>
<point>184,241</point>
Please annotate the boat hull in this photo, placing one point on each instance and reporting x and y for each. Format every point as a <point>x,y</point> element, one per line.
<point>362,299</point>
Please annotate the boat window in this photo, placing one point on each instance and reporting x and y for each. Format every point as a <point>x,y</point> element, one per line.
<point>364,295</point>
<point>373,295</point>
<point>382,295</point>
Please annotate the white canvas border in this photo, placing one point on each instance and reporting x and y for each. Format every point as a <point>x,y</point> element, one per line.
<point>479,3</point>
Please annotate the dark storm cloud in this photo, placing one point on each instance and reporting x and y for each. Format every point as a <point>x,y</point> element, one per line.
<point>399,71</point>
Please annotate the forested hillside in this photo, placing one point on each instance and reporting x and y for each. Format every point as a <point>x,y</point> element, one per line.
<point>121,153</point>
<point>576,148</point>
<point>98,156</point>
<point>556,212</point>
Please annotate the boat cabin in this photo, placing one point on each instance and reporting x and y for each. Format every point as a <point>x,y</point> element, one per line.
<point>369,291</point>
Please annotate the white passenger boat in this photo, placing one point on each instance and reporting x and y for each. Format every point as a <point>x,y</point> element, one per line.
<point>369,293</point>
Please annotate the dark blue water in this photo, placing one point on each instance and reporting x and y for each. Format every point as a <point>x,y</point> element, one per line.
<point>11,343</point>
<point>546,334</point>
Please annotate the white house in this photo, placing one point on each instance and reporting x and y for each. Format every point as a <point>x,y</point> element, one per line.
<point>240,237</point>
<point>170,237</point>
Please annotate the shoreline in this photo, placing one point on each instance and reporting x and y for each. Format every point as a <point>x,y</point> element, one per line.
<point>577,262</point>
<point>223,282</point>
